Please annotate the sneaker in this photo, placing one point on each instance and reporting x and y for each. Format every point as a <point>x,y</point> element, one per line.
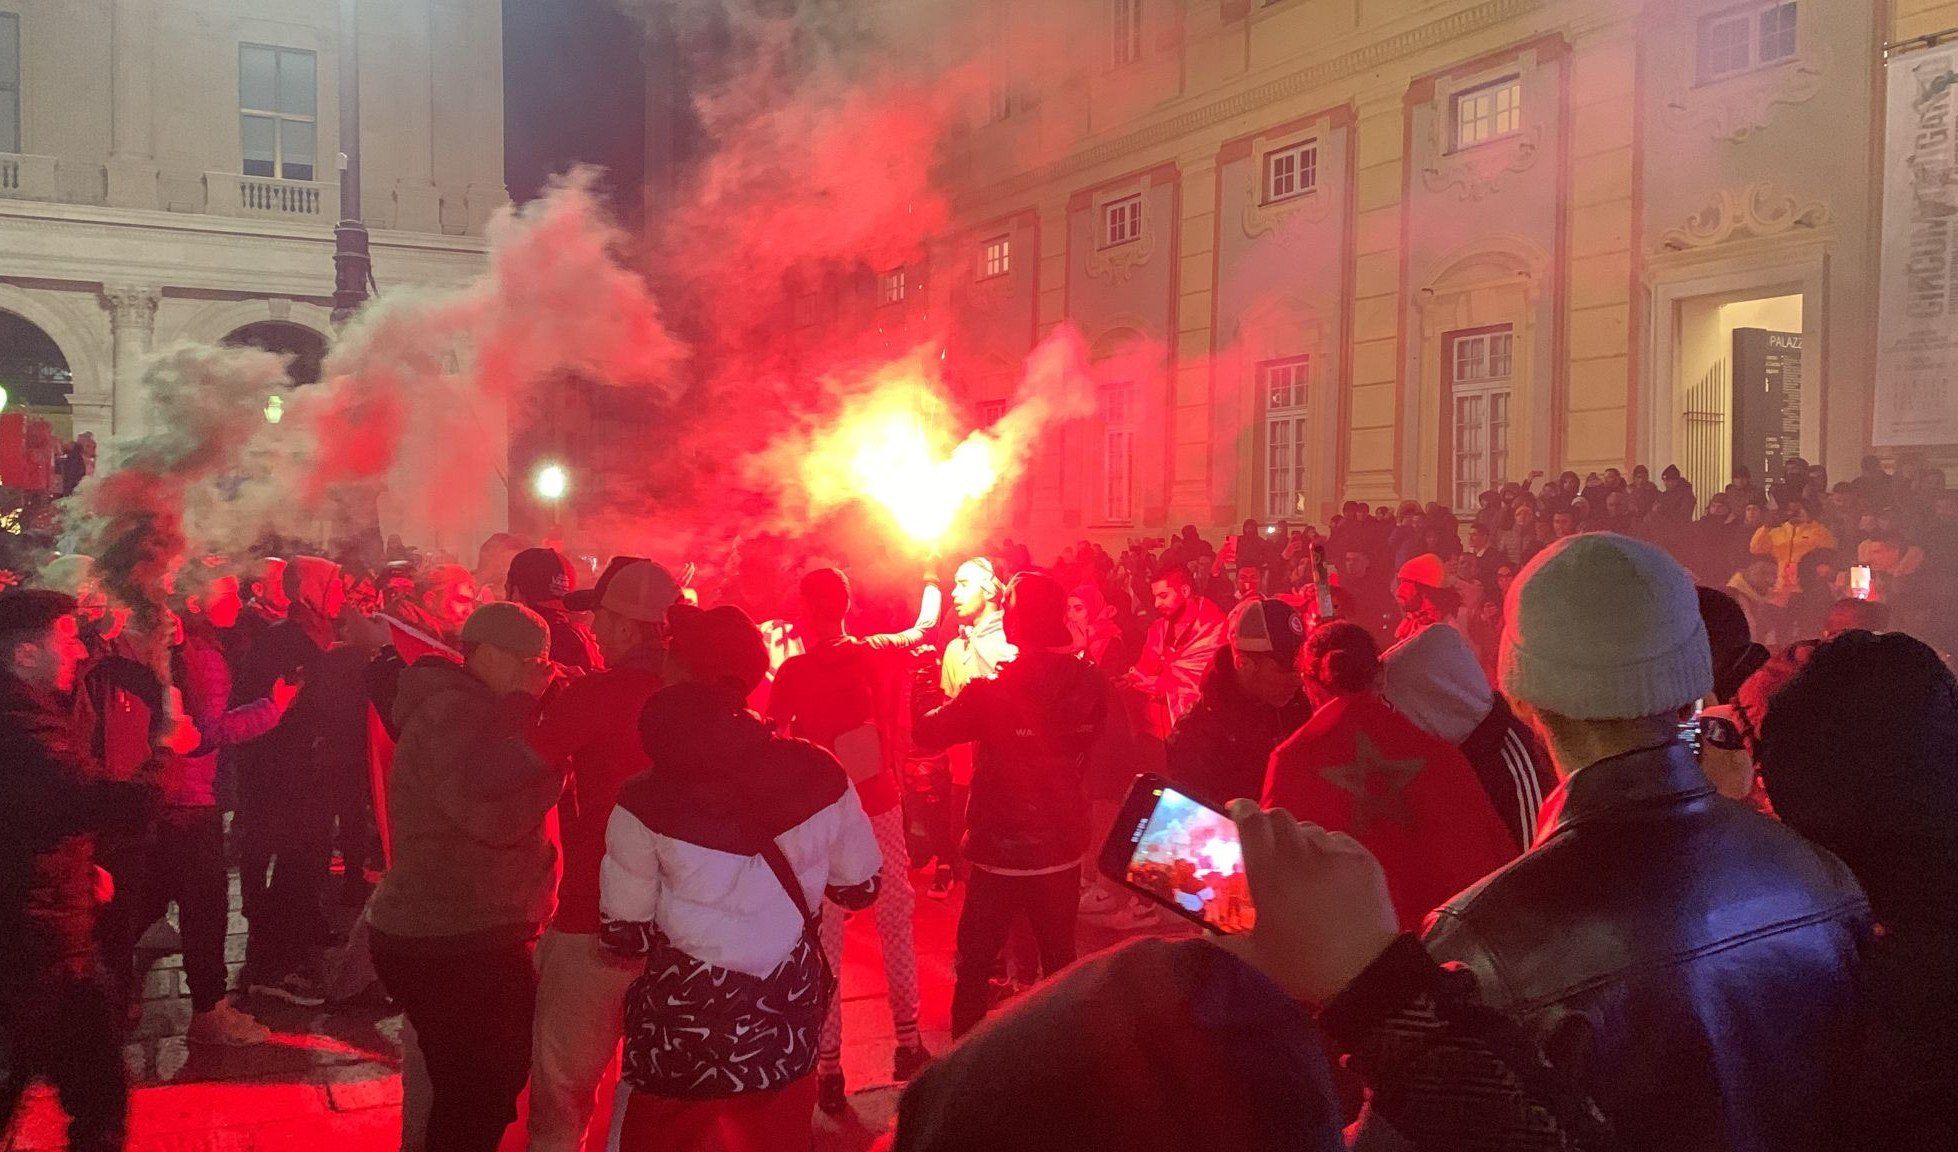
<point>941,883</point>
<point>830,1096</point>
<point>294,989</point>
<point>908,1062</point>
<point>1139,916</point>
<point>1097,902</point>
<point>225,1026</point>
<point>161,937</point>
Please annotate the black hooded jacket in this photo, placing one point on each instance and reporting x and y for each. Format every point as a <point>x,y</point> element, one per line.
<point>1033,724</point>
<point>1220,749</point>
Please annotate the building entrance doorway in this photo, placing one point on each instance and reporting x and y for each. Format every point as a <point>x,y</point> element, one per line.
<point>1738,382</point>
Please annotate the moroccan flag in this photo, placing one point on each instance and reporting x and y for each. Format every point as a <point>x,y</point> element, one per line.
<point>413,644</point>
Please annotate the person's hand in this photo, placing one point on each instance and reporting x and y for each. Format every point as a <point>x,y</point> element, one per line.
<point>1323,912</point>
<point>283,693</point>
<point>536,677</point>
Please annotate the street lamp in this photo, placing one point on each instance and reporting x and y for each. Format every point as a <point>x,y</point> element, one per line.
<point>550,484</point>
<point>275,409</point>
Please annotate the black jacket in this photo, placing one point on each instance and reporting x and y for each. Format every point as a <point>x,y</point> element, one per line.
<point>323,736</point>
<point>1033,724</point>
<point>1514,767</point>
<point>55,804</point>
<point>1220,749</point>
<point>1692,963</point>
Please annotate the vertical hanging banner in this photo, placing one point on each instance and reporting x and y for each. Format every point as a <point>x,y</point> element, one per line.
<point>1917,307</point>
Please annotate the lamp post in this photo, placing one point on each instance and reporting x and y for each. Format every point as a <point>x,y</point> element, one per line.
<point>352,266</point>
<point>551,483</point>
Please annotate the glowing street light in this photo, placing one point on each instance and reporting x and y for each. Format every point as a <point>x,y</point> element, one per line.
<point>275,409</point>
<point>552,482</point>
<point>3,399</point>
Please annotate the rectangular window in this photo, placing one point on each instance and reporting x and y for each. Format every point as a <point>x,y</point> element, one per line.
<point>1741,39</point>
<point>1125,33</point>
<point>1489,112</point>
<point>1291,171</point>
<point>995,257</point>
<point>1284,384</point>
<point>9,82</point>
<point>1118,453</point>
<point>1122,222</point>
<point>890,287</point>
<point>278,103</point>
<point>1480,381</point>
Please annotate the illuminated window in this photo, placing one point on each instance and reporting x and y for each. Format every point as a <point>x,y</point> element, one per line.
<point>1122,221</point>
<point>1741,39</point>
<point>1284,383</point>
<point>1125,33</point>
<point>1118,453</point>
<point>995,257</point>
<point>1491,111</point>
<point>890,287</point>
<point>278,102</point>
<point>1480,384</point>
<point>1291,171</point>
<point>9,82</point>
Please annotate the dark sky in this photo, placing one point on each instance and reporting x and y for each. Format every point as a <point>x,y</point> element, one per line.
<point>573,90</point>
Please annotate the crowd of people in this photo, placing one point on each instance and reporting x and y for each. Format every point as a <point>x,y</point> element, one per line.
<point>1596,820</point>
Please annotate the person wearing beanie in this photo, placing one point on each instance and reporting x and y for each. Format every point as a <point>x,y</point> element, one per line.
<point>829,695</point>
<point>1435,679</point>
<point>1691,964</point>
<point>475,870</point>
<point>1426,594</point>
<point>1361,768</point>
<point>1033,726</point>
<point>1860,754</point>
<point>592,728</point>
<point>542,580</point>
<point>61,1017</point>
<point>1252,699</point>
<point>717,859</point>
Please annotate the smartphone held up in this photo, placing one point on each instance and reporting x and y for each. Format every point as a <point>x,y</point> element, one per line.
<point>1181,853</point>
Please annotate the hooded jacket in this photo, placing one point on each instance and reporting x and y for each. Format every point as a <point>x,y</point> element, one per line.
<point>1361,768</point>
<point>1033,726</point>
<point>204,678</point>
<point>325,730</point>
<point>1219,750</point>
<point>1435,680</point>
<point>592,726</point>
<point>472,809</point>
<point>55,804</point>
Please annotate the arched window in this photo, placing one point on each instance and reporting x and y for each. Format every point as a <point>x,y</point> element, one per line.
<point>32,368</point>
<point>306,347</point>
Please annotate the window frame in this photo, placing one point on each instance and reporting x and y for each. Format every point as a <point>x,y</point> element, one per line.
<point>1125,40</point>
<point>1492,89</point>
<point>1493,390</point>
<point>1751,17</point>
<point>10,27</point>
<point>1125,211</point>
<point>891,287</point>
<point>1299,153</point>
<point>1001,247</point>
<point>1294,418</point>
<point>278,117</point>
<point>1118,424</point>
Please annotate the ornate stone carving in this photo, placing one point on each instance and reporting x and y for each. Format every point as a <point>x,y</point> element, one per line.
<point>1751,210</point>
<point>1478,171</point>
<point>1284,220</point>
<point>1735,107</point>
<point>1115,263</point>
<point>132,307</point>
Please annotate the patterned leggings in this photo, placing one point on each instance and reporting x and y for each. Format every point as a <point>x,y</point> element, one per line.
<point>895,900</point>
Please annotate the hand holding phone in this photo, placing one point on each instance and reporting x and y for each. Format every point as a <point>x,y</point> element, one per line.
<point>1181,853</point>
<point>1324,913</point>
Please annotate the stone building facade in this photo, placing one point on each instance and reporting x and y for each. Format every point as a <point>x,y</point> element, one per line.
<point>1389,249</point>
<point>168,171</point>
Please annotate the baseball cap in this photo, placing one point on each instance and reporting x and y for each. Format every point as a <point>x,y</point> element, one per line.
<point>588,599</point>
<point>511,627</point>
<point>1265,625</point>
<point>641,590</point>
<point>541,574</point>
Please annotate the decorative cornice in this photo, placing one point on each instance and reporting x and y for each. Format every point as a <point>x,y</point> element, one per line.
<point>1364,58</point>
<point>1752,210</point>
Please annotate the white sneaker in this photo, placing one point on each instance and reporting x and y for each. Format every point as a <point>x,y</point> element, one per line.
<point>1099,901</point>
<point>227,1027</point>
<point>1139,916</point>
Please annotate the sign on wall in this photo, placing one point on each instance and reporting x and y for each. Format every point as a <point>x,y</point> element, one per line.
<point>1917,307</point>
<point>1767,399</point>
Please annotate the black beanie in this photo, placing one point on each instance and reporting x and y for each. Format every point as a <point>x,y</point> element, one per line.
<point>1859,752</point>
<point>33,609</point>
<point>1036,612</point>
